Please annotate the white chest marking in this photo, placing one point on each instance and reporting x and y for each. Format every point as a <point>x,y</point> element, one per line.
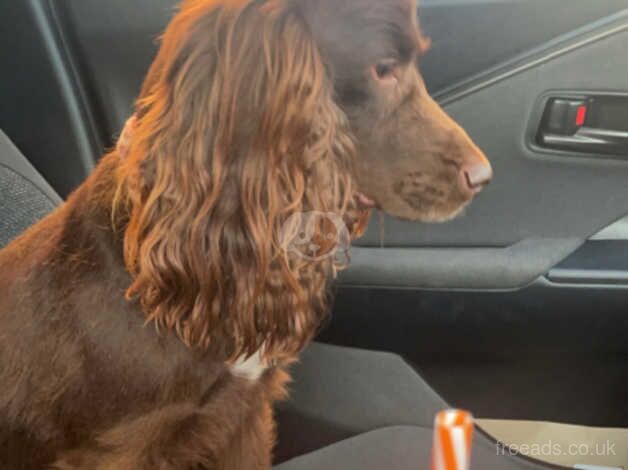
<point>251,368</point>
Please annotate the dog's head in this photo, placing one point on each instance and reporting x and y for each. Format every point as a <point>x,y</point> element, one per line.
<point>413,160</point>
<point>254,112</point>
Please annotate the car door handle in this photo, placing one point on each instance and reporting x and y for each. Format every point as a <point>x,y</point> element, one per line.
<point>589,140</point>
<point>592,124</point>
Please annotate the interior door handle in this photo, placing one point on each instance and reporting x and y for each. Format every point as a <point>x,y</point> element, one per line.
<point>589,140</point>
<point>592,124</point>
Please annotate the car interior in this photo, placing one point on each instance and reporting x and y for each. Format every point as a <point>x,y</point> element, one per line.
<point>516,311</point>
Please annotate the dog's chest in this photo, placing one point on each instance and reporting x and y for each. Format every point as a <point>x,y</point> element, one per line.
<point>250,368</point>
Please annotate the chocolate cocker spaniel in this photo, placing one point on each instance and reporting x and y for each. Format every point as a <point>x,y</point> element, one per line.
<point>148,323</point>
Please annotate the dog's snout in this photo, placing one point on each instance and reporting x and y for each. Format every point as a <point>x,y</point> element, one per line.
<point>477,175</point>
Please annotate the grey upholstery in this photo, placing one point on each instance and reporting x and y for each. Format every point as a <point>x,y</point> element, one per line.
<point>353,409</point>
<point>399,448</point>
<point>341,392</point>
<point>25,197</point>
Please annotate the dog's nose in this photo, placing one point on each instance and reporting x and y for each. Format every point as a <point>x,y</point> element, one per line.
<point>477,175</point>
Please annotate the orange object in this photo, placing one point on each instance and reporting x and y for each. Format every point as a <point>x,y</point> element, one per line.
<point>453,436</point>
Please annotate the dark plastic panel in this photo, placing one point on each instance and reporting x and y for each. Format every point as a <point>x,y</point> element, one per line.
<point>113,44</point>
<point>546,352</point>
<point>597,262</point>
<point>605,255</point>
<point>41,108</point>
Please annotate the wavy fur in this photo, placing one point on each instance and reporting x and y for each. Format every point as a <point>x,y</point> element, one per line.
<point>237,130</point>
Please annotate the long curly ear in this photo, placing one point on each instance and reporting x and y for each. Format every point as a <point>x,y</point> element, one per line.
<point>237,131</point>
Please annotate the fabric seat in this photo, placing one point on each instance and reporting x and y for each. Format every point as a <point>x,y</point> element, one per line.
<point>354,409</point>
<point>25,197</point>
<point>350,409</point>
<point>339,393</point>
<point>398,448</point>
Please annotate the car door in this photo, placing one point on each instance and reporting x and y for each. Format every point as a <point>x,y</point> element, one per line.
<point>518,308</point>
<point>515,310</point>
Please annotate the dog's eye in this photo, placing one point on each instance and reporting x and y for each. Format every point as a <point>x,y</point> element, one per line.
<point>385,69</point>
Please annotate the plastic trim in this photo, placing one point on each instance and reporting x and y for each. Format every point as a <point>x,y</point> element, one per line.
<point>507,268</point>
<point>577,39</point>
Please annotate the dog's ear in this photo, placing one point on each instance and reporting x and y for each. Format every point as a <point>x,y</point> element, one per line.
<point>236,132</point>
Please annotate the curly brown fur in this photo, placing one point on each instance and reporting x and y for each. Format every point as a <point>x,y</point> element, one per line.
<point>126,316</point>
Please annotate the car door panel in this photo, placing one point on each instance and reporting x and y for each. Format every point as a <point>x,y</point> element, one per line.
<point>547,352</point>
<point>457,268</point>
<point>474,37</point>
<point>550,345</point>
